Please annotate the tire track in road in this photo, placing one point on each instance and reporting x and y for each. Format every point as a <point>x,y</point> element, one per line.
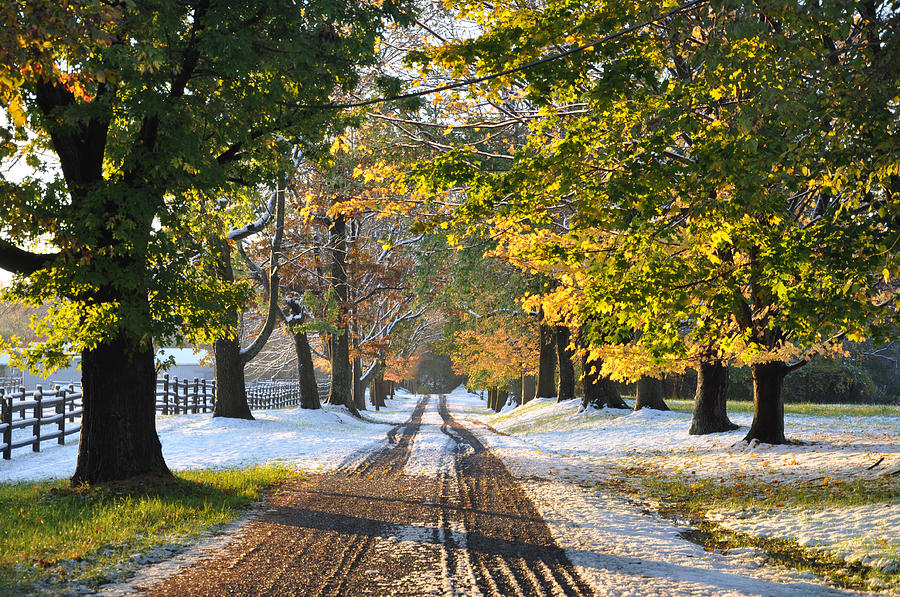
<point>325,535</point>
<point>372,529</point>
<point>510,545</point>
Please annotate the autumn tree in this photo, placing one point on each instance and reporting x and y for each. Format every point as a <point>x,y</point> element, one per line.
<point>727,195</point>
<point>146,111</point>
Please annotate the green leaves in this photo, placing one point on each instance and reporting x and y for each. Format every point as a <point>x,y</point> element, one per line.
<point>159,112</point>
<point>720,185</point>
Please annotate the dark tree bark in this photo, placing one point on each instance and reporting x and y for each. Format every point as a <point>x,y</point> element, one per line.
<point>599,390</point>
<point>710,414</point>
<point>566,388</point>
<point>118,426</point>
<point>341,376</point>
<point>546,378</point>
<point>768,407</point>
<point>378,389</point>
<point>649,394</point>
<point>231,389</point>
<point>529,387</point>
<point>359,388</point>
<point>309,388</point>
<point>500,401</point>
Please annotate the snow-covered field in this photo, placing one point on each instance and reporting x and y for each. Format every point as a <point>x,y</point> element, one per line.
<point>832,447</point>
<point>312,440</point>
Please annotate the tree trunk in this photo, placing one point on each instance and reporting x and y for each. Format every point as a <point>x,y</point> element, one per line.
<point>599,390</point>
<point>309,388</point>
<point>768,407</point>
<point>500,400</point>
<point>341,377</point>
<point>710,414</point>
<point>118,425</point>
<point>359,389</point>
<point>231,390</point>
<point>649,394</point>
<point>566,388</point>
<point>546,381</point>
<point>378,390</point>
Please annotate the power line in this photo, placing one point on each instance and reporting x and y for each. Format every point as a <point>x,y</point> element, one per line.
<point>509,71</point>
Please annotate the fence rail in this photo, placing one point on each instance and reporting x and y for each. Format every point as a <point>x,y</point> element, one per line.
<point>64,405</point>
<point>29,418</point>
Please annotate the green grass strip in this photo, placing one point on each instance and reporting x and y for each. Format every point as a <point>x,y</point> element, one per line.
<point>690,500</point>
<point>50,532</point>
<point>804,408</point>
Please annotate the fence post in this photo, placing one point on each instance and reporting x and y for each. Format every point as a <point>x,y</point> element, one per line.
<point>166,394</point>
<point>72,403</point>
<point>196,395</point>
<point>6,411</point>
<point>38,415</point>
<point>61,413</point>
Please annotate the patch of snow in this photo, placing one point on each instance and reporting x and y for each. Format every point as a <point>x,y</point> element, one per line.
<point>553,439</point>
<point>430,451</point>
<point>313,440</point>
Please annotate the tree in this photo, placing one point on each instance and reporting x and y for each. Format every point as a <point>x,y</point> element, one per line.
<point>151,114</point>
<point>723,203</point>
<point>230,358</point>
<point>492,352</point>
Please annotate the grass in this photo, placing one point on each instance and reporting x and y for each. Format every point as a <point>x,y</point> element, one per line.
<point>691,500</point>
<point>734,494</point>
<point>805,408</point>
<point>50,531</point>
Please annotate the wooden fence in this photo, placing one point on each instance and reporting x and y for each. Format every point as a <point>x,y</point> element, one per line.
<point>22,410</point>
<point>28,411</point>
<point>182,396</point>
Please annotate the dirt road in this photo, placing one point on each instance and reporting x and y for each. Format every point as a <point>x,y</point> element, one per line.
<point>373,529</point>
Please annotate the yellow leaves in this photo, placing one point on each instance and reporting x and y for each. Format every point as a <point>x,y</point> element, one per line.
<point>16,111</point>
<point>886,274</point>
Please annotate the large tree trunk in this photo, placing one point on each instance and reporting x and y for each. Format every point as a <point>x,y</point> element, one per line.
<point>118,425</point>
<point>710,415</point>
<point>309,388</point>
<point>599,390</point>
<point>341,376</point>
<point>566,388</point>
<point>768,407</point>
<point>649,394</point>
<point>546,378</point>
<point>231,391</point>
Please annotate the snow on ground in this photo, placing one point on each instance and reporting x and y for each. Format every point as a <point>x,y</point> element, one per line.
<point>313,440</point>
<point>620,551</point>
<point>430,453</point>
<point>556,439</point>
